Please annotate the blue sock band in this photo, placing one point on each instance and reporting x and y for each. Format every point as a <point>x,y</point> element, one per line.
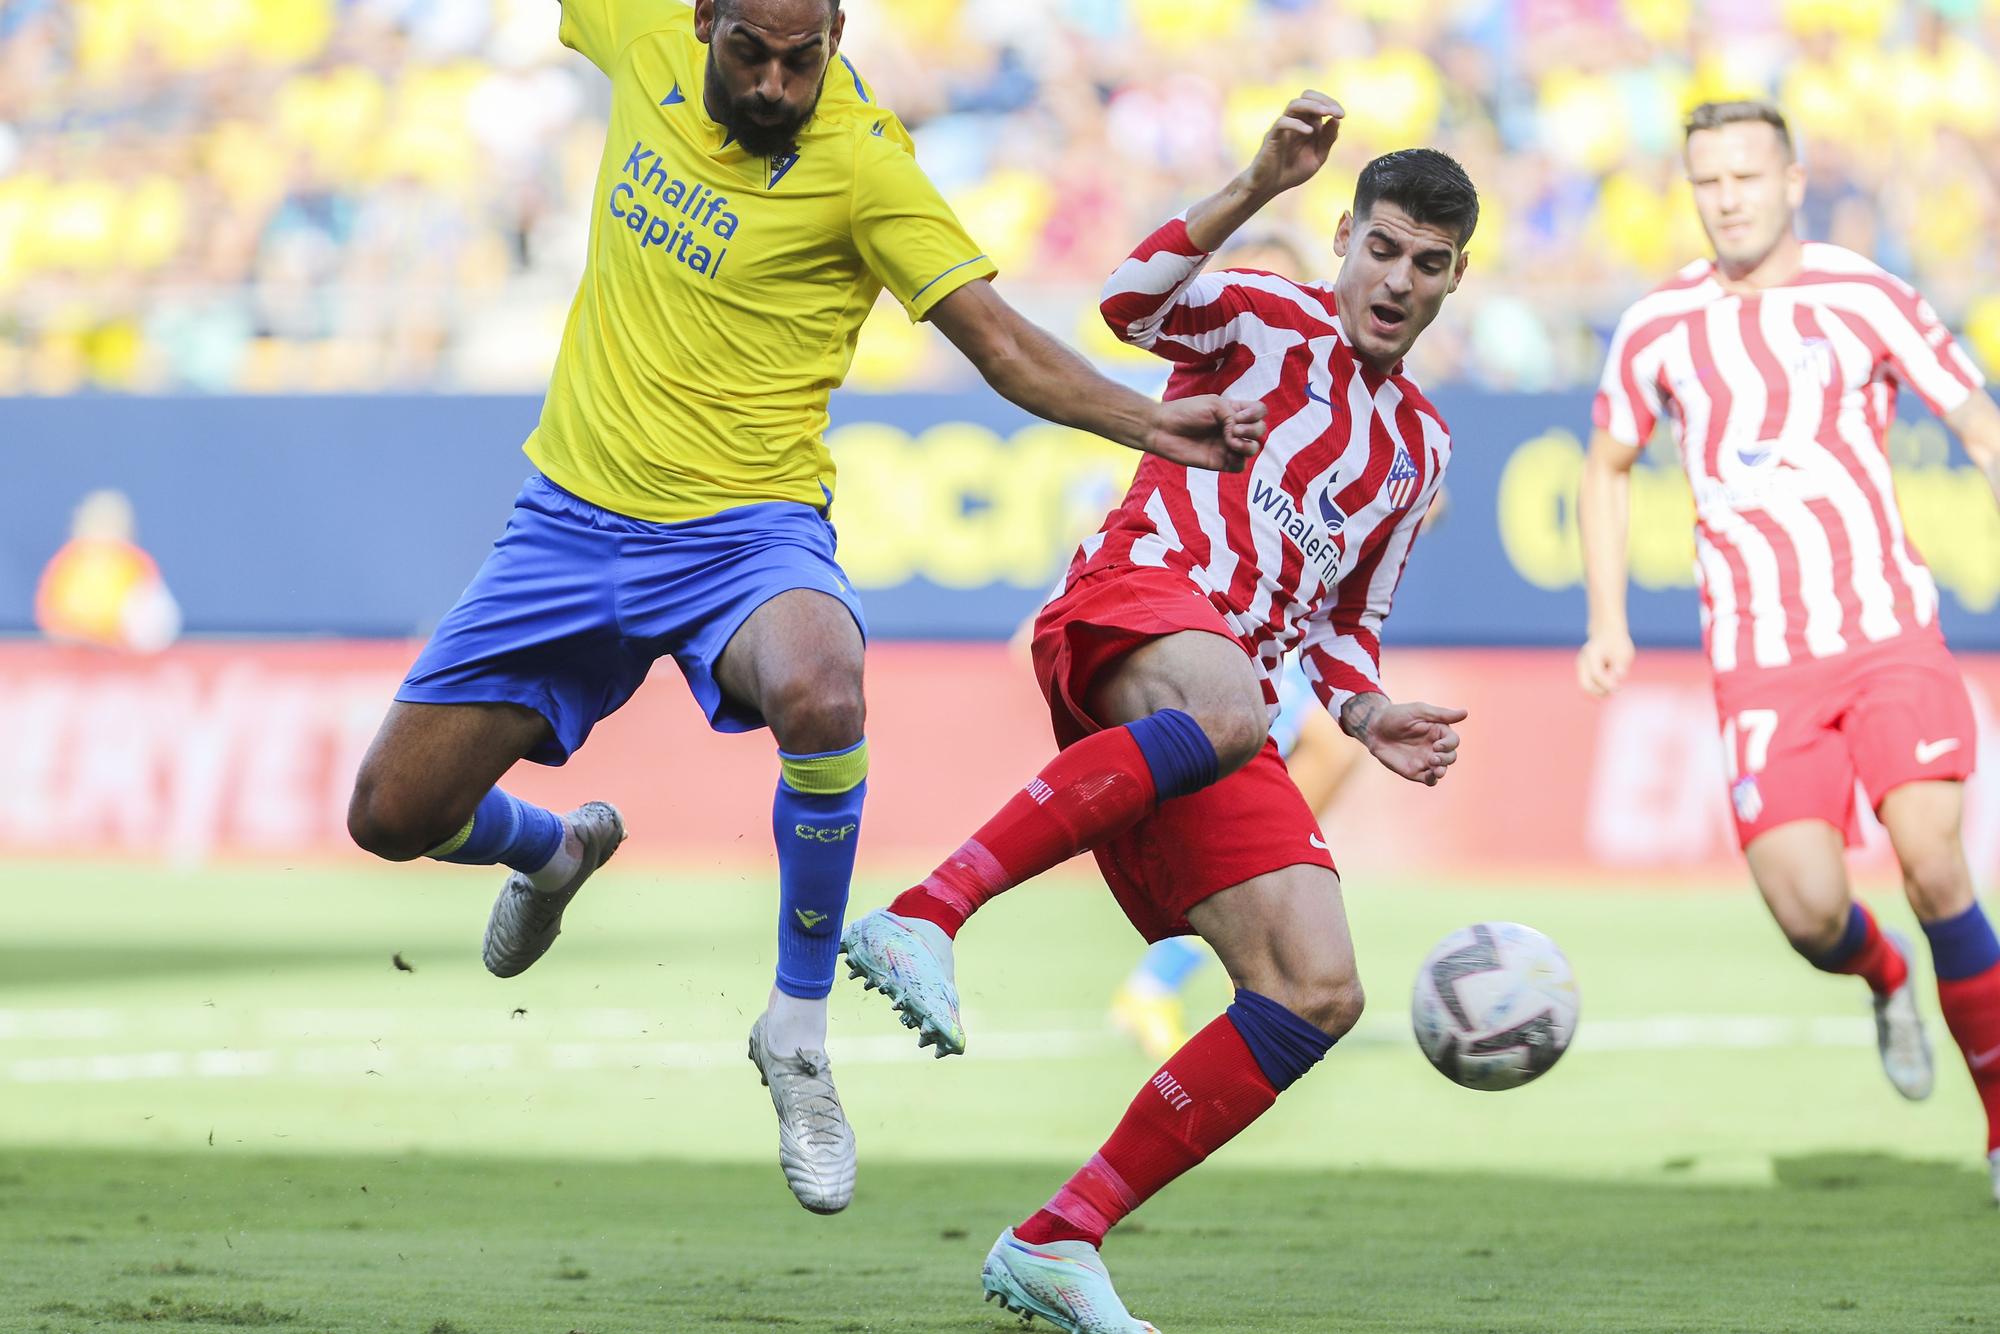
<point>505,831</point>
<point>1171,962</point>
<point>1177,751</point>
<point>1962,946</point>
<point>1285,1045</point>
<point>816,832</point>
<point>1851,941</point>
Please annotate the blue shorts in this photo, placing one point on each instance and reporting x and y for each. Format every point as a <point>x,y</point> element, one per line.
<point>575,603</point>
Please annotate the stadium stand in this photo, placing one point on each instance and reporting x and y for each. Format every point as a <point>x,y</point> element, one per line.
<point>361,195</point>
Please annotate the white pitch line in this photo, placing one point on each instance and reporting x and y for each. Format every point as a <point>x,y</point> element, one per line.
<point>627,1049</point>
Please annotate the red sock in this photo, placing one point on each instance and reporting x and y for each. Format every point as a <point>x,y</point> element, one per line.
<point>1971,1007</point>
<point>1878,962</point>
<point>1099,787</point>
<point>1202,1098</point>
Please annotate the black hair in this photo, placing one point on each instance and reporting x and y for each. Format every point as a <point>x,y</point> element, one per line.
<point>1428,185</point>
<point>1715,115</point>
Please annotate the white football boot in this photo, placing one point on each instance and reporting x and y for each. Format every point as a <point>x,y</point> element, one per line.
<point>909,961</point>
<point>1993,1166</point>
<point>1900,1035</point>
<point>815,1143</point>
<point>526,921</point>
<point>1063,1282</point>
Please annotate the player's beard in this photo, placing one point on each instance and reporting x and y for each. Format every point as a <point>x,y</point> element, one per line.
<point>758,138</point>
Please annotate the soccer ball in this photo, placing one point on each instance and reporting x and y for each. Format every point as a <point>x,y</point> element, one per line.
<point>1495,1005</point>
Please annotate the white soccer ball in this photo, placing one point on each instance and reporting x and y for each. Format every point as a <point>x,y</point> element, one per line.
<point>1495,1005</point>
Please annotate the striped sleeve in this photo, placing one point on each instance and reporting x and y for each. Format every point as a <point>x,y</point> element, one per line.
<point>1922,353</point>
<point>1160,300</point>
<point>1628,403</point>
<point>1342,648</point>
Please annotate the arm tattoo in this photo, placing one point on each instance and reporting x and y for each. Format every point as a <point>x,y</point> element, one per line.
<point>1358,714</point>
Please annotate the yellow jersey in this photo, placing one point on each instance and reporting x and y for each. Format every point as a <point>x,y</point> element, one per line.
<point>723,293</point>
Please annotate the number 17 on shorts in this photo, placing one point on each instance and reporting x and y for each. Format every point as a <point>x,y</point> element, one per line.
<point>1796,740</point>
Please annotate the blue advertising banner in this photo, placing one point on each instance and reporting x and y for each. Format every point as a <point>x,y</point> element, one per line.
<point>365,516</point>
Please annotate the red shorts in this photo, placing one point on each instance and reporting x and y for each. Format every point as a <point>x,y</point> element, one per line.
<point>1796,738</point>
<point>1249,824</point>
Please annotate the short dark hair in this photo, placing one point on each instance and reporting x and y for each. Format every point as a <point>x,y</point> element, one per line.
<point>1715,115</point>
<point>1428,185</point>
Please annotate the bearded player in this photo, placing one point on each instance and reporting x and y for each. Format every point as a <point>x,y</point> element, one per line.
<point>1778,363</point>
<point>752,202</point>
<point>1159,660</point>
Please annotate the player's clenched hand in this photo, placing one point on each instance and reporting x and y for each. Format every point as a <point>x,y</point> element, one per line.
<point>1208,431</point>
<point>1297,144</point>
<point>1603,661</point>
<point>1415,740</point>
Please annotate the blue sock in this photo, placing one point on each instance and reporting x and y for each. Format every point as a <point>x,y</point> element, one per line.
<point>1177,751</point>
<point>506,831</point>
<point>1851,940</point>
<point>1962,946</point>
<point>1285,1045</point>
<point>816,820</point>
<point>1170,963</point>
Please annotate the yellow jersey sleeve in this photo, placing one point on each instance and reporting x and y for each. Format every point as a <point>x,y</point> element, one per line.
<point>600,29</point>
<point>905,232</point>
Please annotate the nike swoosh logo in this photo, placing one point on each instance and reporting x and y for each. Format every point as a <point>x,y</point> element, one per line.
<point>1979,1060</point>
<point>1318,842</point>
<point>674,98</point>
<point>1930,750</point>
<point>1316,394</point>
<point>808,918</point>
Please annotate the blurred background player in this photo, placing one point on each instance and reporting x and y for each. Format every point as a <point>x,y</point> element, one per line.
<point>1778,363</point>
<point>1158,661</point>
<point>751,203</point>
<point>102,588</point>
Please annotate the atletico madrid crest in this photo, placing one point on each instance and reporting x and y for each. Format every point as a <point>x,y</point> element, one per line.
<point>1402,480</point>
<point>1748,798</point>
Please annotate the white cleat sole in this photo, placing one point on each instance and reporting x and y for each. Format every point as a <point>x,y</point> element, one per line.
<point>1014,1300</point>
<point>935,1017</point>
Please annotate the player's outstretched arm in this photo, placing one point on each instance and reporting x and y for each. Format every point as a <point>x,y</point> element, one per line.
<point>1292,152</point>
<point>1415,740</point>
<point>1603,514</point>
<point>1158,299</point>
<point>1029,367</point>
<point>1976,422</point>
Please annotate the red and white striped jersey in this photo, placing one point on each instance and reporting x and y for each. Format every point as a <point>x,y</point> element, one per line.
<point>1781,400</point>
<point>1306,545</point>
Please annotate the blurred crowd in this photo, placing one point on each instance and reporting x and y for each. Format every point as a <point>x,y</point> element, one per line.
<point>330,195</point>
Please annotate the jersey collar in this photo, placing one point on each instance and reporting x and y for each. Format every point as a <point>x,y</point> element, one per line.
<point>1371,377</point>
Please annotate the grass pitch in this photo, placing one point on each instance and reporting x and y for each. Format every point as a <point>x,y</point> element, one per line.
<point>1840,1242</point>
<point>221,1103</point>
